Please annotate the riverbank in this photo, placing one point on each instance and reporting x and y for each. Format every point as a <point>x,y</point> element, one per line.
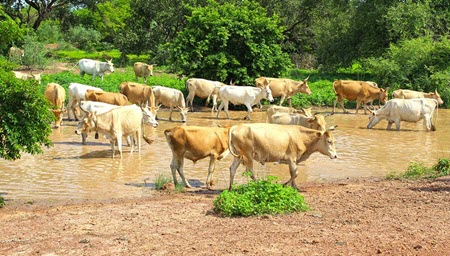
<point>363,217</point>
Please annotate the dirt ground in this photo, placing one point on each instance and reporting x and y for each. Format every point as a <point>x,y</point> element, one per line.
<point>350,217</point>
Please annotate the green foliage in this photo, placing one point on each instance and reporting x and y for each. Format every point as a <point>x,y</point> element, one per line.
<point>10,32</point>
<point>258,198</point>
<point>24,116</point>
<point>420,171</point>
<point>83,38</point>
<point>49,33</point>
<point>162,179</point>
<point>2,202</point>
<point>227,42</point>
<point>35,53</point>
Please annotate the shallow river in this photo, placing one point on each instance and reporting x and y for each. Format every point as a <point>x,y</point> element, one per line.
<point>70,170</point>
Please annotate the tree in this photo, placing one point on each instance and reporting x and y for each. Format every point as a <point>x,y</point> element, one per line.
<point>10,32</point>
<point>24,115</point>
<point>227,42</point>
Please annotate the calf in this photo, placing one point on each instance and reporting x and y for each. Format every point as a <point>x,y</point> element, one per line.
<point>171,98</point>
<point>56,95</point>
<point>409,110</point>
<point>267,143</point>
<point>246,95</point>
<point>143,70</point>
<point>195,143</point>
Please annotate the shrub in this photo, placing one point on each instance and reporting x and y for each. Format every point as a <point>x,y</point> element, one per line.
<point>35,53</point>
<point>2,202</point>
<point>258,198</point>
<point>84,38</point>
<point>160,180</point>
<point>417,171</point>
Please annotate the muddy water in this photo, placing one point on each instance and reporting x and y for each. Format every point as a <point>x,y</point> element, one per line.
<point>69,170</point>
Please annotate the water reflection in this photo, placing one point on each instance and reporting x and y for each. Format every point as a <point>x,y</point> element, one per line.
<point>71,170</point>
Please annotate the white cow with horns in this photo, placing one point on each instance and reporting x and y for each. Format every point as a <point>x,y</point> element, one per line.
<point>94,67</point>
<point>409,110</point>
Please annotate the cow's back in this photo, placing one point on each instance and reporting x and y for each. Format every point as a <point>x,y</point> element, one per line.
<point>55,94</point>
<point>349,90</point>
<point>78,91</point>
<point>137,93</point>
<point>202,87</point>
<point>411,110</point>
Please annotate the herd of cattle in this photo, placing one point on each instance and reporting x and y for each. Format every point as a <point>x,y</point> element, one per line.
<point>298,133</point>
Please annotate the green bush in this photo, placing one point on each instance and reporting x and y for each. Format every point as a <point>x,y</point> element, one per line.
<point>84,38</point>
<point>417,171</point>
<point>2,202</point>
<point>258,198</point>
<point>35,53</point>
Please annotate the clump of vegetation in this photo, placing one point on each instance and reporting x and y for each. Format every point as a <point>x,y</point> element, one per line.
<point>417,171</point>
<point>2,202</point>
<point>259,198</point>
<point>162,181</point>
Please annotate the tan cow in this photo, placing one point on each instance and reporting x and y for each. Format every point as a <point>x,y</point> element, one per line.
<point>113,98</point>
<point>15,53</point>
<point>115,123</point>
<point>143,70</point>
<point>140,94</point>
<point>56,95</point>
<point>267,143</point>
<point>360,91</point>
<point>202,88</point>
<point>171,98</point>
<point>410,94</point>
<point>316,122</point>
<point>286,88</point>
<point>195,143</point>
<point>280,109</point>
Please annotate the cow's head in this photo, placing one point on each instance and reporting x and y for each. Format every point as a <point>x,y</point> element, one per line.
<point>304,86</point>
<point>326,143</point>
<point>268,92</point>
<point>86,125</point>
<point>150,69</point>
<point>149,115</point>
<point>317,122</point>
<point>59,116</point>
<point>110,65</point>
<point>183,112</point>
<point>384,95</point>
<point>373,119</point>
<point>437,97</point>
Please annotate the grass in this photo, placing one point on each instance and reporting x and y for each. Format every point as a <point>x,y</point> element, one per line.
<point>163,179</point>
<point>417,171</point>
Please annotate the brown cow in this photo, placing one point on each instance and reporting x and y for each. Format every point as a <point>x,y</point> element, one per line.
<point>286,88</point>
<point>140,94</point>
<point>195,143</point>
<point>410,94</point>
<point>143,70</point>
<point>267,143</point>
<point>362,92</point>
<point>113,98</point>
<point>202,88</point>
<point>56,95</point>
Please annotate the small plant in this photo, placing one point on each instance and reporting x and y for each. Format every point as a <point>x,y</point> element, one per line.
<point>259,198</point>
<point>2,202</point>
<point>161,180</point>
<point>442,168</point>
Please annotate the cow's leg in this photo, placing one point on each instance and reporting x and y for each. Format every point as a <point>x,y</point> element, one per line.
<point>282,99</point>
<point>207,101</point>
<point>119,143</point>
<point>139,135</point>
<point>226,110</point>
<point>397,124</point>
<point>214,100</point>
<point>181,172</point>
<point>293,169</point>
<point>358,104</point>
<point>233,168</point>
<point>211,168</point>
<point>220,108</point>
<point>177,165</point>
<point>428,123</point>
<point>290,102</point>
<point>190,100</point>
<point>389,125</point>
<point>170,114</point>
<point>249,111</point>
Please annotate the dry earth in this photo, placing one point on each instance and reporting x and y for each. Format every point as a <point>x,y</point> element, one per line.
<point>351,217</point>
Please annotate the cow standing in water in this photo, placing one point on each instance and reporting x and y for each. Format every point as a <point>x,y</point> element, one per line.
<point>94,67</point>
<point>56,95</point>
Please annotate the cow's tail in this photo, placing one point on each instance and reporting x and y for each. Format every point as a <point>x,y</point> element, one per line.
<point>76,64</point>
<point>334,86</point>
<point>146,138</point>
<point>230,143</point>
<point>433,124</point>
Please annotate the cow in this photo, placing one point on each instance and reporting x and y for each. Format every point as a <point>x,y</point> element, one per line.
<point>286,144</point>
<point>100,108</point>
<point>286,88</point>
<point>56,95</point>
<point>196,143</point>
<point>202,88</point>
<point>360,91</point>
<point>77,93</point>
<point>15,53</point>
<point>246,95</point>
<point>316,122</point>
<point>410,94</point>
<point>139,94</point>
<point>143,70</point>
<point>114,98</point>
<point>25,76</point>
<point>408,110</point>
<point>171,98</point>
<point>115,123</point>
<point>280,109</point>
<point>94,67</point>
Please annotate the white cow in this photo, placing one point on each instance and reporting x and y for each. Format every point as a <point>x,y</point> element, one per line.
<point>202,88</point>
<point>409,110</point>
<point>410,94</point>
<point>94,67</point>
<point>25,76</point>
<point>246,95</point>
<point>77,93</point>
<point>171,98</point>
<point>316,122</point>
<point>272,110</point>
